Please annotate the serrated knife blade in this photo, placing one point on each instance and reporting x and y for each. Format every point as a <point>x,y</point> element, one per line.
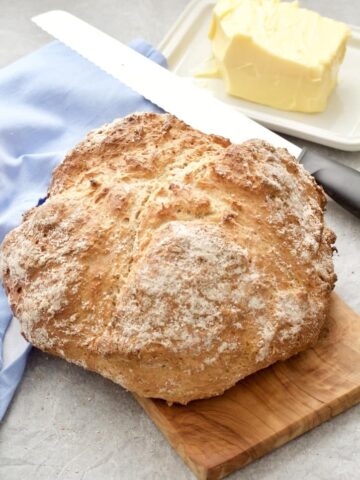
<point>191,104</point>
<point>174,94</point>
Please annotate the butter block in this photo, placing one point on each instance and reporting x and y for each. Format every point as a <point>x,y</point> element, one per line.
<point>276,53</point>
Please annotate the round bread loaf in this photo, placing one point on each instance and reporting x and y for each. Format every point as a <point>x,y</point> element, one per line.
<point>172,262</point>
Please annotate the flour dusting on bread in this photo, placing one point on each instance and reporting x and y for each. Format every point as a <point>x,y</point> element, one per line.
<point>172,262</point>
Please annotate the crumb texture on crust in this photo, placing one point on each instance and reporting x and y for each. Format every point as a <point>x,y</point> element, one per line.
<point>172,262</point>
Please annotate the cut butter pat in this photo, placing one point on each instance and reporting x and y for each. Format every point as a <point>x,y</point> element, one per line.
<point>276,53</point>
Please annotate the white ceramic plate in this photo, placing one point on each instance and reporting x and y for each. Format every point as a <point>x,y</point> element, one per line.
<point>186,47</point>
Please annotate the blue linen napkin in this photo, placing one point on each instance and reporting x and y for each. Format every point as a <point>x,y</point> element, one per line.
<point>49,100</point>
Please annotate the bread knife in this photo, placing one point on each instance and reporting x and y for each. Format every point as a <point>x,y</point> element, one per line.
<point>195,106</point>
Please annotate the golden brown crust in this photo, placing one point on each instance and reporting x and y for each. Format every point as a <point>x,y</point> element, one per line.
<point>171,261</point>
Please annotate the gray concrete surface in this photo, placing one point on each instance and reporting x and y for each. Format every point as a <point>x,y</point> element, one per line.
<point>68,424</point>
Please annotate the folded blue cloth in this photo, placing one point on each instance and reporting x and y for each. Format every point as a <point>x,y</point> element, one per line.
<point>48,101</point>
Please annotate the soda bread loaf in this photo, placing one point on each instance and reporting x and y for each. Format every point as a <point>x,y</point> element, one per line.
<point>172,262</point>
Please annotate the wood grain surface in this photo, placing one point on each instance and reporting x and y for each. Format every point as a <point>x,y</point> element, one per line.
<point>271,407</point>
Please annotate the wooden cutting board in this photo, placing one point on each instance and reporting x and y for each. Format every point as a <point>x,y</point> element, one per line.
<point>271,407</point>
